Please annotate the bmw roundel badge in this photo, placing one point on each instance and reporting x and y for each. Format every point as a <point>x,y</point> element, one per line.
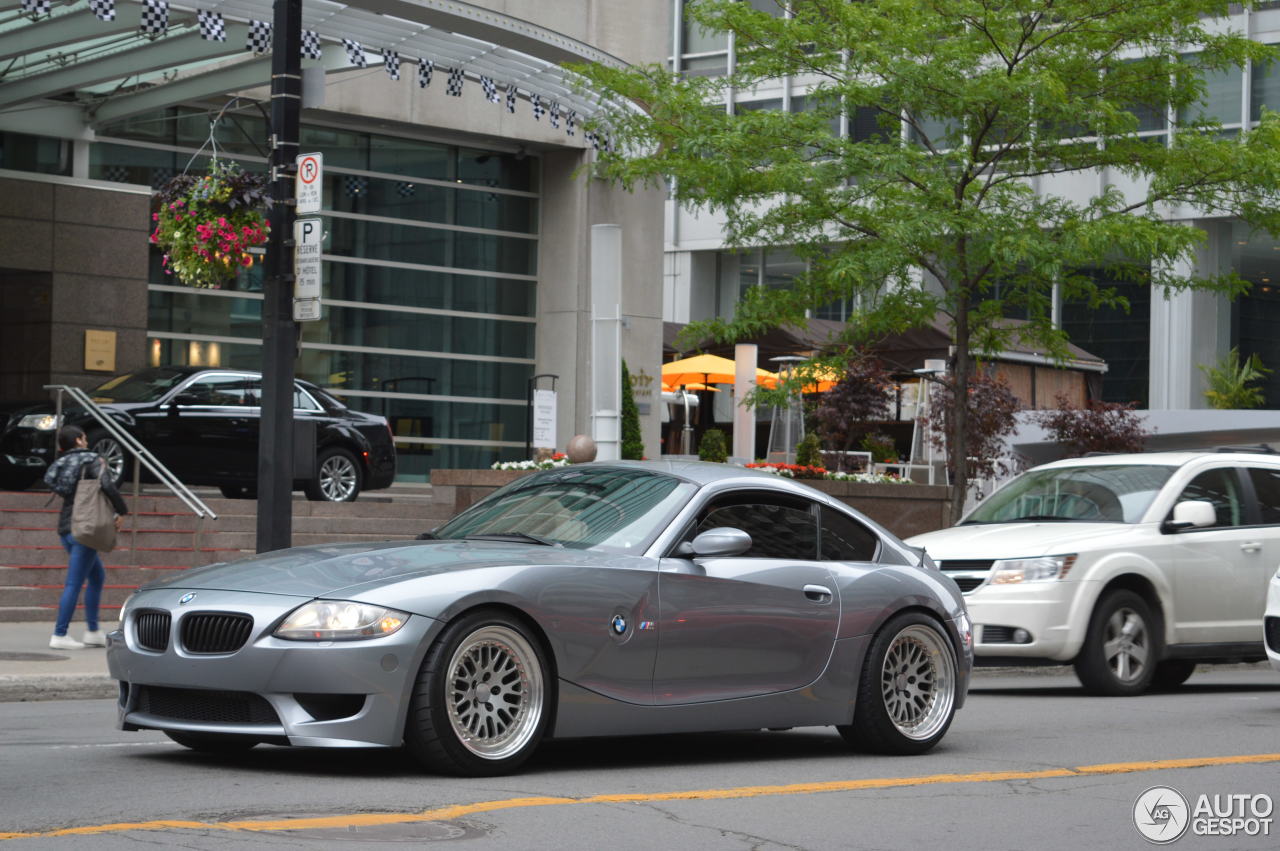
<point>186,598</point>
<point>619,624</point>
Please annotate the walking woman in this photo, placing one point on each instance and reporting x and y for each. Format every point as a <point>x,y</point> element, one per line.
<point>85,567</point>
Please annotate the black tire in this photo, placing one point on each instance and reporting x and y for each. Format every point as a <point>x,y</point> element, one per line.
<point>338,477</point>
<point>238,492</point>
<point>18,480</point>
<point>111,450</point>
<point>215,743</point>
<point>1172,673</point>
<point>907,692</point>
<point>1121,647</point>
<point>448,729</point>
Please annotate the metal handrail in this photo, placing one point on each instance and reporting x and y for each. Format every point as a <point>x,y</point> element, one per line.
<point>141,455</point>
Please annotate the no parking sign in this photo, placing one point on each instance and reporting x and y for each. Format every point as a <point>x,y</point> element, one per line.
<point>308,183</point>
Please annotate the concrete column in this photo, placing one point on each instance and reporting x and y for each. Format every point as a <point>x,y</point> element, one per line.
<point>1190,328</point>
<point>745,357</point>
<point>606,341</point>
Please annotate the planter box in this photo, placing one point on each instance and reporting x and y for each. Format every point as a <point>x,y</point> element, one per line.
<point>905,510</point>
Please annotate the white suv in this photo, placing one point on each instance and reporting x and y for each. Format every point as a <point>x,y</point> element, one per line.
<point>1131,567</point>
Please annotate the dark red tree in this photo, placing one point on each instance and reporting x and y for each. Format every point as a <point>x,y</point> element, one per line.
<point>990,419</point>
<point>1096,427</point>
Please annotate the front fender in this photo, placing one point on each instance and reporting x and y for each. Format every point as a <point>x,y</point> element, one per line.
<point>1100,576</point>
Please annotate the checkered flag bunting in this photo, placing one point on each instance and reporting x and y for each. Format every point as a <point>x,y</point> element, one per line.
<point>570,122</point>
<point>355,53</point>
<point>155,17</point>
<point>405,190</point>
<point>36,8</point>
<point>511,98</point>
<point>535,101</point>
<point>259,37</point>
<point>425,67</point>
<point>212,27</point>
<point>490,89</point>
<point>159,177</point>
<point>355,185</point>
<point>454,86</point>
<point>104,10</point>
<point>391,62</point>
<point>310,44</point>
<point>116,174</point>
<point>555,114</point>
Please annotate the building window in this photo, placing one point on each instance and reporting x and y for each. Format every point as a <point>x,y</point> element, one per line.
<point>1110,332</point>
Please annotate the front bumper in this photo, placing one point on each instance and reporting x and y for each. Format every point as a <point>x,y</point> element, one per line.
<point>1271,622</point>
<point>1042,609</point>
<point>287,692</point>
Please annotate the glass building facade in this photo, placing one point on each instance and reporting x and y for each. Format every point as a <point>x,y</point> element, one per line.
<point>429,272</point>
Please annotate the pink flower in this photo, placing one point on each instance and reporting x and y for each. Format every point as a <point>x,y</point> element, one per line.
<point>155,217</point>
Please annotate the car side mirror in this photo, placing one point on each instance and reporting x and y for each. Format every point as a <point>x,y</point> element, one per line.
<point>1189,514</point>
<point>186,399</point>
<point>722,542</point>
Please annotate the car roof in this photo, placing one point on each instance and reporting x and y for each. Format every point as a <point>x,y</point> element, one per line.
<point>1166,459</point>
<point>698,472</point>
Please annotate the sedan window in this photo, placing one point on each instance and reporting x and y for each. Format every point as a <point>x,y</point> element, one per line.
<point>143,386</point>
<point>221,391</point>
<point>776,530</point>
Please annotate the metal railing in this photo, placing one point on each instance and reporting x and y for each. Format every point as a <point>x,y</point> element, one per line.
<point>141,457</point>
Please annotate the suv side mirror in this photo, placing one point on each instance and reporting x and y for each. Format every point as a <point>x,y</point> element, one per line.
<point>722,541</point>
<point>1191,513</point>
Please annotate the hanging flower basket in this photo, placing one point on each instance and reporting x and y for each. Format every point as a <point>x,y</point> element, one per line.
<point>206,224</point>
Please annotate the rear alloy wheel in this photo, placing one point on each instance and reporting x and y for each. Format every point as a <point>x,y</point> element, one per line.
<point>482,699</point>
<point>111,450</point>
<point>1119,654</point>
<point>337,477</point>
<point>214,743</point>
<point>907,693</point>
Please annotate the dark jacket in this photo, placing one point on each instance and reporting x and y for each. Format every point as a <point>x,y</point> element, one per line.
<point>63,475</point>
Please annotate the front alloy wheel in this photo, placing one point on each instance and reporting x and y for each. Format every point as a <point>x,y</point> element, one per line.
<point>111,451</point>
<point>907,694</point>
<point>481,703</point>
<point>1119,653</point>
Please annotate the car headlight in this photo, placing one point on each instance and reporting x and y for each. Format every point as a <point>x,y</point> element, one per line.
<point>339,620</point>
<point>39,422</point>
<point>1011,571</point>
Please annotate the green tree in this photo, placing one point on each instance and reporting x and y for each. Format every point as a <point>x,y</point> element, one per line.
<point>958,191</point>
<point>632,442</point>
<point>714,446</point>
<point>1231,380</point>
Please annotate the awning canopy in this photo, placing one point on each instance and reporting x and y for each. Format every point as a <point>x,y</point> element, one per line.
<point>67,69</point>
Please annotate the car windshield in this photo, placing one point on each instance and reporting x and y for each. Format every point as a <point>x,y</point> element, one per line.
<point>1119,493</point>
<point>140,386</point>
<point>620,510</point>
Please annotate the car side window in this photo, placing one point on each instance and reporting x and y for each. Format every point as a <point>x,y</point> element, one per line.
<point>777,530</point>
<point>1266,485</point>
<point>222,390</point>
<point>1222,488</point>
<point>302,401</point>
<point>845,539</point>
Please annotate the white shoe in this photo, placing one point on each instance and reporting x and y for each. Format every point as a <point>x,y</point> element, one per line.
<point>96,638</point>
<point>65,642</point>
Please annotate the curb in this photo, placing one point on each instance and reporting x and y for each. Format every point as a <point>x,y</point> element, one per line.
<point>15,688</point>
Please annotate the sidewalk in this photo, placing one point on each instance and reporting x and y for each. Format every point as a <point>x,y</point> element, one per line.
<point>30,670</point>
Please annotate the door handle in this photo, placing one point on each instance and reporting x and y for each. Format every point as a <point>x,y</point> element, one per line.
<point>818,593</point>
<point>1251,546</point>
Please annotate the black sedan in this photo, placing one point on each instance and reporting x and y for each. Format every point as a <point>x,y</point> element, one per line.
<point>203,425</point>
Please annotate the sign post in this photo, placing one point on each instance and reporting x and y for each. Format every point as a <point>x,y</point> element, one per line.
<point>307,236</point>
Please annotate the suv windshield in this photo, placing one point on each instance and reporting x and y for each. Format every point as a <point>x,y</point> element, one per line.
<point>619,510</point>
<point>140,386</point>
<point>1097,494</point>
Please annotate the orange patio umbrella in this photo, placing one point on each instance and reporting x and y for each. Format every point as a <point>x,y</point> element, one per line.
<point>708,369</point>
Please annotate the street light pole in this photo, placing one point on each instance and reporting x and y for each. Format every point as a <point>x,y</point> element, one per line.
<point>279,331</point>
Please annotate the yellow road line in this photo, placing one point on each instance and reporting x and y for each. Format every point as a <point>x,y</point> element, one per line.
<point>462,810</point>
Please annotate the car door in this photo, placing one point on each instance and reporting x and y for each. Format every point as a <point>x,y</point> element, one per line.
<point>754,624</point>
<point>1265,483</point>
<point>211,429</point>
<point>1216,568</point>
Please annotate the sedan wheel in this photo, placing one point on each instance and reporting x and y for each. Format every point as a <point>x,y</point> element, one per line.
<point>337,477</point>
<point>1119,653</point>
<point>480,706</point>
<point>111,450</point>
<point>907,695</point>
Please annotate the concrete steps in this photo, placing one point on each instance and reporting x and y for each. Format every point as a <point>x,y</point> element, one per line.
<point>160,537</point>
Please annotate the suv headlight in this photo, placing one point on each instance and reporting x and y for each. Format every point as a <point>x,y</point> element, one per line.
<point>39,422</point>
<point>1011,571</point>
<point>339,620</point>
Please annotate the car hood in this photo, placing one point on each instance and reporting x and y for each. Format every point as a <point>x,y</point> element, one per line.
<point>345,569</point>
<point>1018,540</point>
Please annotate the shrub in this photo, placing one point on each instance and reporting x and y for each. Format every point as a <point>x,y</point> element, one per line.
<point>1230,380</point>
<point>632,442</point>
<point>809,451</point>
<point>1097,427</point>
<point>714,446</point>
<point>881,447</point>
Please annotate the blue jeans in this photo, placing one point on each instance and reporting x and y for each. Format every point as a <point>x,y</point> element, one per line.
<point>85,566</point>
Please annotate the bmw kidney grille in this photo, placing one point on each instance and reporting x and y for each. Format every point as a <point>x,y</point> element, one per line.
<point>215,632</point>
<point>152,630</point>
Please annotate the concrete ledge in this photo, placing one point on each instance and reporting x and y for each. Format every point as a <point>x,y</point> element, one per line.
<point>16,688</point>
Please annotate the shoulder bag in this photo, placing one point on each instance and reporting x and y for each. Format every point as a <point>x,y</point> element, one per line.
<point>93,518</point>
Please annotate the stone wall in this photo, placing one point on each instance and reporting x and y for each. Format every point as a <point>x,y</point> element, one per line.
<point>905,510</point>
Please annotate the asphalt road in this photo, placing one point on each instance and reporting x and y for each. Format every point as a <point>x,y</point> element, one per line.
<point>1031,763</point>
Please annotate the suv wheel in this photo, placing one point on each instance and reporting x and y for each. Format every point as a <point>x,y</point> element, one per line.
<point>1119,653</point>
<point>1172,673</point>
